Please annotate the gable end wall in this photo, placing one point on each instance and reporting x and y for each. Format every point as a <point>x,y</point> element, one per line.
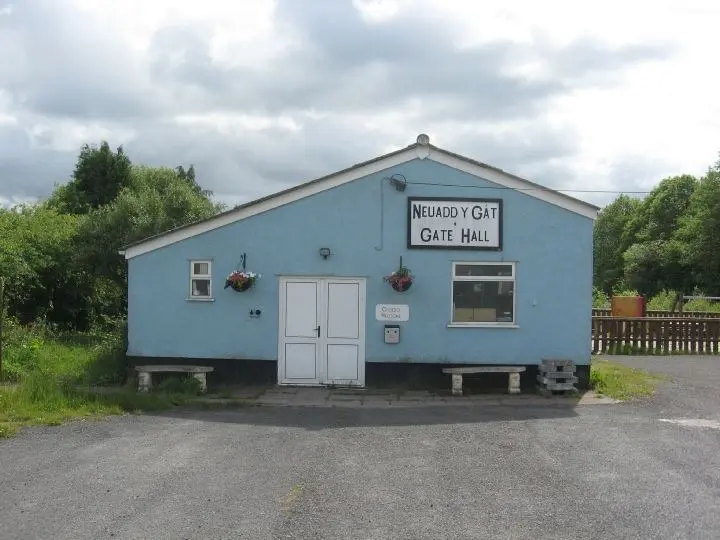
<point>364,223</point>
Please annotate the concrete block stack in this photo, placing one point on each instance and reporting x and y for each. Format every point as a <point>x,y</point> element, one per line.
<point>556,376</point>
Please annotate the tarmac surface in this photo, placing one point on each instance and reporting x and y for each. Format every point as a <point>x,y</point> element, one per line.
<point>493,468</point>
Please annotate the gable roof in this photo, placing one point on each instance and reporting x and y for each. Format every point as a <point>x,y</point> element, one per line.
<point>422,149</point>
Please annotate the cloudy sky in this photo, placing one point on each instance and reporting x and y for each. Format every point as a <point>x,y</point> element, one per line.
<point>261,94</point>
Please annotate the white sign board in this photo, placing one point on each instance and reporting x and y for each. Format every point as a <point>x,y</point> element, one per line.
<point>392,312</point>
<point>454,223</point>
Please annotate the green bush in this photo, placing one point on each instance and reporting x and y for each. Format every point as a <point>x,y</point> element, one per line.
<point>21,346</point>
<point>665,299</point>
<point>702,304</point>
<point>50,373</point>
<point>96,357</point>
<point>624,291</point>
<point>109,364</point>
<point>662,301</point>
<point>600,299</point>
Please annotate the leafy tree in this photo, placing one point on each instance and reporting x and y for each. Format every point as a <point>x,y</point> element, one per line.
<point>60,258</point>
<point>655,261</point>
<point>159,200</point>
<point>699,232</point>
<point>658,215</point>
<point>189,177</point>
<point>36,245</point>
<point>156,200</point>
<point>656,265</point>
<point>99,176</point>
<point>610,241</point>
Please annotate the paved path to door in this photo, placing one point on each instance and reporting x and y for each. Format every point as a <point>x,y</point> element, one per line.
<point>450,471</point>
<point>393,399</point>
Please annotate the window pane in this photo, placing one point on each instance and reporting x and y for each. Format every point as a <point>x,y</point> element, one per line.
<point>483,301</point>
<point>485,270</point>
<point>201,268</point>
<point>201,287</point>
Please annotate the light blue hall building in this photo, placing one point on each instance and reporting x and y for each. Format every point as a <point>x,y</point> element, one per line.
<point>501,273</point>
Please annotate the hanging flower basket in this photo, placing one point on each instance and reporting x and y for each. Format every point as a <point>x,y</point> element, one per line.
<point>401,279</point>
<point>241,281</point>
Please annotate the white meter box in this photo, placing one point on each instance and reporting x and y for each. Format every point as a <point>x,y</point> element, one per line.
<point>392,333</point>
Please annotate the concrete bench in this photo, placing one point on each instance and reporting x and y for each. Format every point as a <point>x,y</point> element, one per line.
<point>145,374</point>
<point>458,372</point>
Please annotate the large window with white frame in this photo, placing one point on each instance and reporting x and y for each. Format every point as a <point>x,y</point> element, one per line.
<point>200,280</point>
<point>483,293</point>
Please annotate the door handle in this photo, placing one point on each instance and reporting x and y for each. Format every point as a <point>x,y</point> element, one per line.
<point>318,330</point>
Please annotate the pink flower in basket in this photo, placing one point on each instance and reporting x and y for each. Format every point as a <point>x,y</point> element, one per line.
<point>241,280</point>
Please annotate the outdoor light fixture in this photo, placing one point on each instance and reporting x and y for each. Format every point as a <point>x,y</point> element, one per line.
<point>324,252</point>
<point>398,181</point>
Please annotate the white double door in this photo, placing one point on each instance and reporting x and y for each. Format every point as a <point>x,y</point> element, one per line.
<point>321,331</point>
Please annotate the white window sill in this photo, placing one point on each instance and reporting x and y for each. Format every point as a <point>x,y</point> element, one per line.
<point>482,325</point>
<point>199,299</point>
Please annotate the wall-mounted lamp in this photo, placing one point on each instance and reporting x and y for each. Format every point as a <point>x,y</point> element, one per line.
<point>398,181</point>
<point>324,252</point>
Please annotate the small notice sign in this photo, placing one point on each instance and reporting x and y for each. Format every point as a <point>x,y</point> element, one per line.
<point>392,312</point>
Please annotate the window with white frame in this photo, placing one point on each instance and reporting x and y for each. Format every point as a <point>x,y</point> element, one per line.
<point>483,293</point>
<point>200,279</point>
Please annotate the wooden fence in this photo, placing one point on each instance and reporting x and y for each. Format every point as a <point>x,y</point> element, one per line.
<point>656,335</point>
<point>662,313</point>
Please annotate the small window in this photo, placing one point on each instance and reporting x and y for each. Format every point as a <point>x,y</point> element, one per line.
<point>483,293</point>
<point>200,279</point>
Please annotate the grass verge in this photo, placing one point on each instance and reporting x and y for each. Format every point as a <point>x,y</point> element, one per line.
<point>48,378</point>
<point>42,400</point>
<point>621,382</point>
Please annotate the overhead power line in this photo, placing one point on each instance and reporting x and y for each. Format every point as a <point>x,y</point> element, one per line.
<point>474,186</point>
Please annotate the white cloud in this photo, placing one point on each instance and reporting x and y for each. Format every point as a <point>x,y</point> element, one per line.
<point>236,124</point>
<point>243,32</point>
<point>664,111</point>
<point>69,136</point>
<point>6,115</point>
<point>379,11</point>
<point>571,93</point>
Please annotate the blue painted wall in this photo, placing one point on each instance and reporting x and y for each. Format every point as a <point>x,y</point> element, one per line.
<point>552,248</point>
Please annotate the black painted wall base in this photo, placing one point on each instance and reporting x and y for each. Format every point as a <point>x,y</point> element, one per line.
<point>430,376</point>
<point>377,375</point>
<point>583,375</point>
<point>227,371</point>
